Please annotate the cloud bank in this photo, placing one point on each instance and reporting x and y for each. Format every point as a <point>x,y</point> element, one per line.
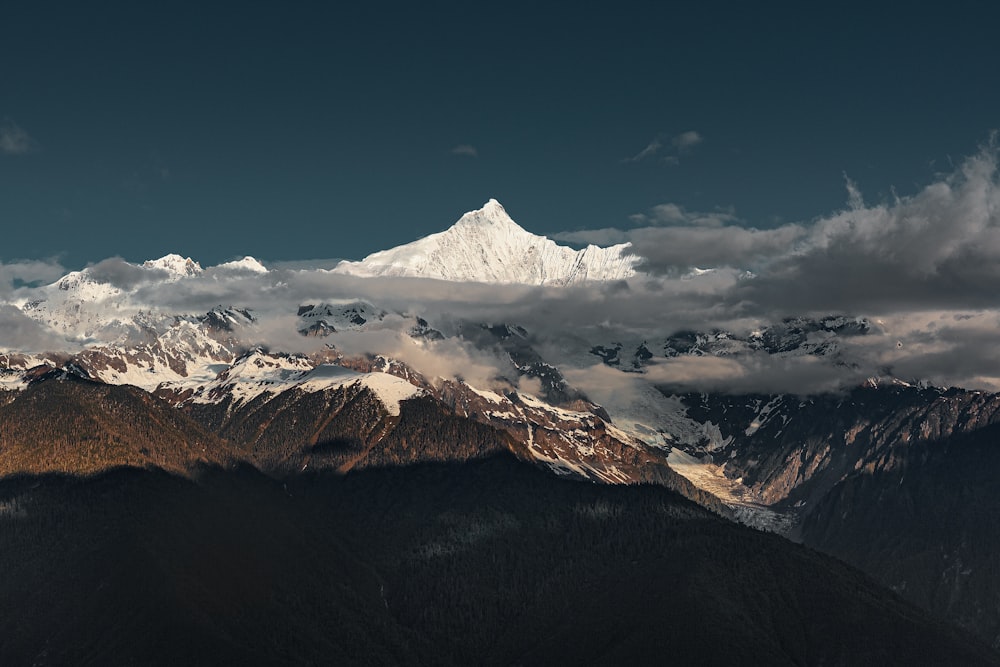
<point>922,269</point>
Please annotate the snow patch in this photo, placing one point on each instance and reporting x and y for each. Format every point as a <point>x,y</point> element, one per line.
<point>712,478</point>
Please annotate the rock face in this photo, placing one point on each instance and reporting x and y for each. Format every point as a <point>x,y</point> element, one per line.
<point>792,451</point>
<point>821,338</point>
<point>897,480</point>
<point>487,246</point>
<point>924,526</point>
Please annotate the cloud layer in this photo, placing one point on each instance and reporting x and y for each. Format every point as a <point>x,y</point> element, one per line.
<point>939,248</point>
<point>922,268</point>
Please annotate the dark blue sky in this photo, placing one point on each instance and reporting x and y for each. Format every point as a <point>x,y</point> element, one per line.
<point>295,131</point>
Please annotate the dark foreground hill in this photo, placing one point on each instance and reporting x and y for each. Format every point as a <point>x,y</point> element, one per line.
<point>484,562</point>
<point>927,527</point>
<point>899,481</point>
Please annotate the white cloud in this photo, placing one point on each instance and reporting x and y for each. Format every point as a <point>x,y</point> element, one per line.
<point>937,248</point>
<point>668,149</point>
<point>660,215</point>
<point>13,139</point>
<point>666,250</point>
<point>674,214</point>
<point>451,358</point>
<point>466,150</point>
<point>686,140</point>
<point>651,149</point>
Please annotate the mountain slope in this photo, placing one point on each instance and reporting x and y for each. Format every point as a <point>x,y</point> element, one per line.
<point>487,246</point>
<point>67,424</point>
<point>150,569</point>
<point>817,463</point>
<point>923,523</point>
<point>897,480</point>
<point>487,562</point>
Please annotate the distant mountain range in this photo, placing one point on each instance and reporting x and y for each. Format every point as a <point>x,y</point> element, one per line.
<point>171,366</point>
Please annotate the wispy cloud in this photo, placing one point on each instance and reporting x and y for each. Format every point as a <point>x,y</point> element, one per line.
<point>654,226</point>
<point>675,214</point>
<point>466,150</point>
<point>686,140</point>
<point>13,139</point>
<point>650,150</point>
<point>600,237</point>
<point>666,148</point>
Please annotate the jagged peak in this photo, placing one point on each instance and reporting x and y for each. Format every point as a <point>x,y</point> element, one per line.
<point>175,265</point>
<point>74,279</point>
<point>491,214</point>
<point>494,209</point>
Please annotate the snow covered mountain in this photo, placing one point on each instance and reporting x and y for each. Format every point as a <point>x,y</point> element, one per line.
<point>175,266</point>
<point>116,332</point>
<point>308,369</point>
<point>82,304</point>
<point>91,304</point>
<point>488,246</point>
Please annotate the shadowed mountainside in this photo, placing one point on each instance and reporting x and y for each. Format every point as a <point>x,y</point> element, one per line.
<point>310,441</point>
<point>926,527</point>
<point>489,561</point>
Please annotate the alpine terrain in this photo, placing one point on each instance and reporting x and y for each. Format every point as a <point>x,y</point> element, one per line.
<point>478,447</point>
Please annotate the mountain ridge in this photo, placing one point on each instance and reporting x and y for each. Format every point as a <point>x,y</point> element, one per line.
<point>323,377</point>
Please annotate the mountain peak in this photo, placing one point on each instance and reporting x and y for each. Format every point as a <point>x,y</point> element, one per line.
<point>487,246</point>
<point>492,214</point>
<point>175,266</point>
<point>494,210</point>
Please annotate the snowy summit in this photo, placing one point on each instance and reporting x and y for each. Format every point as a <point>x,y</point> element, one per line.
<point>175,266</point>
<point>487,246</point>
